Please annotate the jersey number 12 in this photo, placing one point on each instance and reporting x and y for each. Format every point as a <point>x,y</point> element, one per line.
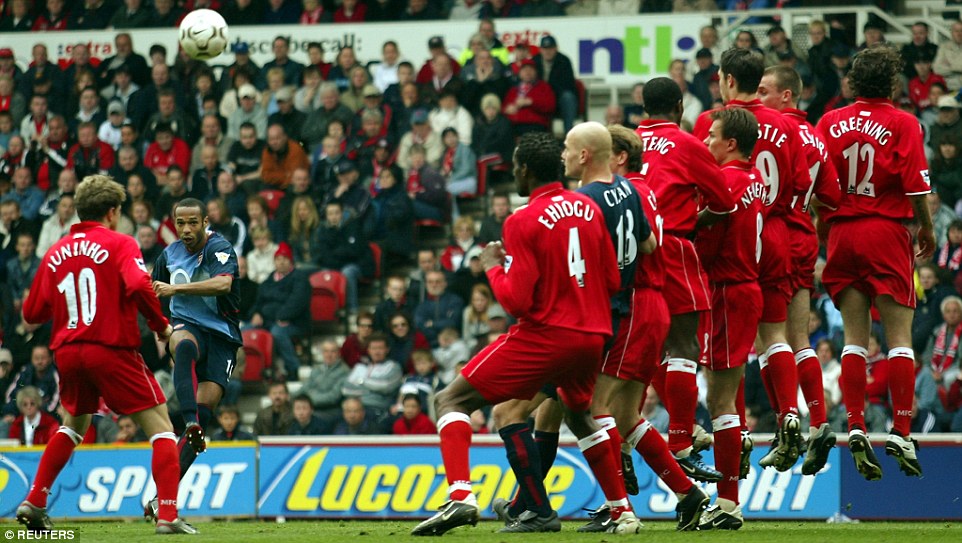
<point>83,306</point>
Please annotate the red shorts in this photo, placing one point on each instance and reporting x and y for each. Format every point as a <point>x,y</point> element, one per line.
<point>686,285</point>
<point>640,345</point>
<point>774,271</point>
<point>730,327</point>
<point>873,256</point>
<point>521,361</point>
<point>89,371</point>
<point>804,255</point>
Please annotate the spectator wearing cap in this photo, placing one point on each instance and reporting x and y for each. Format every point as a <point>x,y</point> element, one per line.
<point>555,68</point>
<point>109,131</point>
<point>283,307</point>
<point>355,200</point>
<point>919,47</point>
<point>248,112</point>
<point>166,151</point>
<point>421,134</point>
<point>948,122</point>
<point>921,83</point>
<point>315,128</point>
<point>286,115</point>
<point>436,49</point>
<point>393,218</point>
<point>280,158</point>
<point>242,63</point>
<point>530,104</point>
<point>89,155</point>
<point>131,14</point>
<point>340,244</point>
<point>18,19</point>
<point>292,69</point>
<point>450,114</point>
<point>778,42</point>
<point>701,81</point>
<point>948,61</point>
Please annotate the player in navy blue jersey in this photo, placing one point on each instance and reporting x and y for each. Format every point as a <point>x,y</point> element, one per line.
<point>199,273</point>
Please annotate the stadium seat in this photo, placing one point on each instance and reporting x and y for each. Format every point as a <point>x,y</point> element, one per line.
<point>259,350</point>
<point>582,99</point>
<point>273,198</point>
<point>481,193</point>
<point>376,278</point>
<point>328,296</point>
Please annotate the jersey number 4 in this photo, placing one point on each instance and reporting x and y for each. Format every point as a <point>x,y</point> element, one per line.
<point>81,297</point>
<point>576,264</point>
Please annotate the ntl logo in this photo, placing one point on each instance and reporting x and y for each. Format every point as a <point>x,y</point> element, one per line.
<point>626,56</point>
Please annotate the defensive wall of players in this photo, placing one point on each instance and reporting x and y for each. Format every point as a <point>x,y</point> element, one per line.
<point>384,477</point>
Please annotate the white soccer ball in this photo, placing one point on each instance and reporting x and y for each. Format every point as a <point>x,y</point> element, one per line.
<point>203,34</point>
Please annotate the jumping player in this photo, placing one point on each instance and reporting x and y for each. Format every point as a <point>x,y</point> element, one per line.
<point>776,156</point>
<point>198,273</point>
<point>730,251</point>
<point>92,283</point>
<point>870,259</point>
<point>781,89</point>
<point>682,173</point>
<point>557,280</point>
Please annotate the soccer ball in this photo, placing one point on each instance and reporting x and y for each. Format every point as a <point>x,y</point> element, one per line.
<point>203,34</point>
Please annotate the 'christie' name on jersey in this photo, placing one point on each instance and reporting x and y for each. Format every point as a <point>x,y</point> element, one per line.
<point>91,250</point>
<point>562,209</point>
<point>772,134</point>
<point>863,125</point>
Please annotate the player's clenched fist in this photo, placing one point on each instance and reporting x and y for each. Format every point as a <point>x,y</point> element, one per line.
<point>163,290</point>
<point>492,255</point>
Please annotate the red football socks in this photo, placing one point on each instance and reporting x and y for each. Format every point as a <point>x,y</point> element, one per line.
<point>652,447</point>
<point>852,383</point>
<point>728,451</point>
<point>598,454</point>
<point>607,423</point>
<point>810,379</point>
<point>781,368</point>
<point>54,458</point>
<point>166,469</point>
<point>902,388</point>
<point>455,431</point>
<point>681,402</point>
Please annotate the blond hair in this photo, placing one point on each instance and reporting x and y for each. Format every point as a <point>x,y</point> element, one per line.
<point>96,195</point>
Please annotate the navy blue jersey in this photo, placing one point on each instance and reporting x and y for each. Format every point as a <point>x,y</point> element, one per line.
<point>177,266</point>
<point>628,226</point>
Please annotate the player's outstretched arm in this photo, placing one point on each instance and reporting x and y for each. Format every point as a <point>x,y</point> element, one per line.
<point>215,286</point>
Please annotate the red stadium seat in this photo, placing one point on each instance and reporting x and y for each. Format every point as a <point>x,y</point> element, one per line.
<point>273,198</point>
<point>582,99</point>
<point>258,349</point>
<point>376,254</point>
<point>328,296</point>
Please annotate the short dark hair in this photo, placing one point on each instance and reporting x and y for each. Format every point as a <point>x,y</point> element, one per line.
<point>411,396</point>
<point>247,124</point>
<point>738,124</point>
<point>875,71</point>
<point>285,39</point>
<point>228,410</point>
<point>192,202</point>
<point>786,78</point>
<point>745,66</point>
<point>541,153</point>
<point>175,168</point>
<point>377,336</point>
<point>303,398</point>
<point>661,96</point>
<point>625,139</point>
<point>405,63</point>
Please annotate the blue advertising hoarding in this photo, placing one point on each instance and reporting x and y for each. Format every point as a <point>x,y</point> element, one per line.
<point>369,481</point>
<point>115,481</point>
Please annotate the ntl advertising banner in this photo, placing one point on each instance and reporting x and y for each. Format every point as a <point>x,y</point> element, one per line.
<point>614,50</point>
<point>115,481</point>
<point>373,481</point>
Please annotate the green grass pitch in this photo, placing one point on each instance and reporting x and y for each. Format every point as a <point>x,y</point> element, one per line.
<point>397,531</point>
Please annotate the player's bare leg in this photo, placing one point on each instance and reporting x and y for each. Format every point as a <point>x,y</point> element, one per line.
<point>897,321</point>
<point>723,386</point>
<point>781,382</point>
<point>821,438</point>
<point>857,323</point>
<point>684,350</point>
<point>453,406</point>
<point>620,399</point>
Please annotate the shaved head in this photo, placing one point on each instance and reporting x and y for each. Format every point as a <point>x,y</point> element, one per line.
<point>587,152</point>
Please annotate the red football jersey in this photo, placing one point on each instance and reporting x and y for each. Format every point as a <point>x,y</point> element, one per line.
<point>877,150</point>
<point>92,282</point>
<point>823,179</point>
<point>651,268</point>
<point>775,155</point>
<point>730,249</point>
<point>683,174</point>
<point>561,267</point>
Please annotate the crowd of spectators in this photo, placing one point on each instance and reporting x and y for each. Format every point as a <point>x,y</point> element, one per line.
<point>355,151</point>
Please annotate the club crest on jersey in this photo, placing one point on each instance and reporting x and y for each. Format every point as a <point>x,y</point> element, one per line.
<point>507,263</point>
<point>925,177</point>
<point>140,264</point>
<point>222,257</point>
<point>200,259</point>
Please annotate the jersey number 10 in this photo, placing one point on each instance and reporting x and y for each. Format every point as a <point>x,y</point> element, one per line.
<point>86,287</point>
